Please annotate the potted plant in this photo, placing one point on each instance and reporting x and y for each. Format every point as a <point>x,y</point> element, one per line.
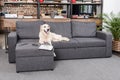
<point>112,23</point>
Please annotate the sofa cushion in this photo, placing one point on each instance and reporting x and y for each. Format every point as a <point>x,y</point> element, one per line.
<point>28,41</point>
<point>28,29</point>
<point>62,44</point>
<point>90,42</point>
<point>29,50</point>
<point>60,27</point>
<point>83,29</point>
<point>66,44</point>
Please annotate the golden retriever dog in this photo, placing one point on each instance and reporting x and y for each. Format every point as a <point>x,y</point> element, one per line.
<point>45,36</point>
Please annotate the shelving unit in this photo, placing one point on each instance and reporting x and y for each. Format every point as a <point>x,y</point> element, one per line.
<point>59,10</point>
<point>87,10</point>
<point>20,9</point>
<point>81,9</point>
<point>1,17</point>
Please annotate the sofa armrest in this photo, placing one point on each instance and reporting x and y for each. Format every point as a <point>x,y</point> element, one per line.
<point>108,39</point>
<point>12,40</point>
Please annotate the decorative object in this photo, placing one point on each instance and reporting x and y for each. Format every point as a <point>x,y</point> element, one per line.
<point>57,0</point>
<point>20,14</point>
<point>41,1</point>
<point>64,1</point>
<point>52,14</point>
<point>29,1</point>
<point>96,1</point>
<point>73,1</point>
<point>112,23</point>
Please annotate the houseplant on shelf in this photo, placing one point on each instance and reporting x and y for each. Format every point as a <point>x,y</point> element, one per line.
<point>112,23</point>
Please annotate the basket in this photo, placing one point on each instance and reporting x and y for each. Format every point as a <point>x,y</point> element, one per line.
<point>116,46</point>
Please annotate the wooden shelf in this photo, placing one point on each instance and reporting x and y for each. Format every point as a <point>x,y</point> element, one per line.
<point>12,22</point>
<point>86,3</point>
<point>20,2</point>
<point>44,3</point>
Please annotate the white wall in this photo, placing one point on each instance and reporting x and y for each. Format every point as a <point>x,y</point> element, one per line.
<point>111,5</point>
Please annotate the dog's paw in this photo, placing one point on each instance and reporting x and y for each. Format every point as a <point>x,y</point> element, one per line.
<point>66,39</point>
<point>41,42</point>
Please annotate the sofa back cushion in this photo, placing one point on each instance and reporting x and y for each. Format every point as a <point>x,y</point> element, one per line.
<point>28,29</point>
<point>61,27</point>
<point>83,29</point>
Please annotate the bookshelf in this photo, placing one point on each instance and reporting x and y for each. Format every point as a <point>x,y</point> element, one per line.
<point>90,10</point>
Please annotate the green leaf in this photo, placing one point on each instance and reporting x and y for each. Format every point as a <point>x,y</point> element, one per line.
<point>112,23</point>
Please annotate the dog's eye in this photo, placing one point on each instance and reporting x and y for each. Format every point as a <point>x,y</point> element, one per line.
<point>44,26</point>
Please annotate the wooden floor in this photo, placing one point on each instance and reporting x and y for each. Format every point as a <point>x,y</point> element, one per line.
<point>2,41</point>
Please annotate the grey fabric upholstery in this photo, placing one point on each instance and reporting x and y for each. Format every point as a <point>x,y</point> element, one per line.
<point>34,63</point>
<point>30,58</point>
<point>35,41</point>
<point>108,40</point>
<point>29,29</point>
<point>30,49</point>
<point>80,42</point>
<point>83,29</point>
<point>12,41</point>
<point>66,44</point>
<point>77,53</point>
<point>90,42</point>
<point>61,28</point>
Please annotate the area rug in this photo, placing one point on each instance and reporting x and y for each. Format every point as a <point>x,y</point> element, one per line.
<point>79,69</point>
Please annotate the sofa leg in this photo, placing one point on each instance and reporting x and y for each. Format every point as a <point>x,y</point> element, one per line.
<point>17,71</point>
<point>52,69</point>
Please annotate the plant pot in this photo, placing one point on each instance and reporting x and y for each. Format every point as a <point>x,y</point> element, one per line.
<point>116,46</point>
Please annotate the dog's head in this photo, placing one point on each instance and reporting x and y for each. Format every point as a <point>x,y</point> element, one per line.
<point>45,28</point>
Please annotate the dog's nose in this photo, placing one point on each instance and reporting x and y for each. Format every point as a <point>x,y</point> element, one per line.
<point>48,29</point>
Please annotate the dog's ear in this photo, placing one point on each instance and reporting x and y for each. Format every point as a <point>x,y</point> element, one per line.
<point>41,27</point>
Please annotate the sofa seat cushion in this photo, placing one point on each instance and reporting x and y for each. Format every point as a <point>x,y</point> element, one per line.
<point>90,42</point>
<point>30,49</point>
<point>66,44</point>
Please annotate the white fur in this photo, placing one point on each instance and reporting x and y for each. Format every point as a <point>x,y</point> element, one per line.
<point>47,36</point>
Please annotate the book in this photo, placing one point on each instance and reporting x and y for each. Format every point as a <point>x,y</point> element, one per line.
<point>46,47</point>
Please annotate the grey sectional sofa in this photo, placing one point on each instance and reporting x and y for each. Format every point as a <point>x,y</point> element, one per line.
<point>85,40</point>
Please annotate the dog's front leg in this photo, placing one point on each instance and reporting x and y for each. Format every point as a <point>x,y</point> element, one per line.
<point>41,42</point>
<point>49,42</point>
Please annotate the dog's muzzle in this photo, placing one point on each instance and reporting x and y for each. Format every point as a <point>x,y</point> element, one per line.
<point>46,31</point>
